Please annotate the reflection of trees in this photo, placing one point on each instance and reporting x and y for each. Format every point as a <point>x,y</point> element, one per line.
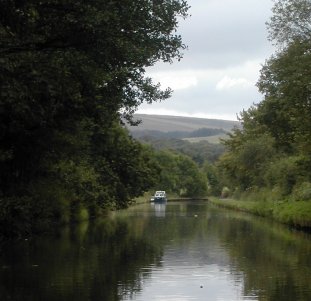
<point>274,260</point>
<point>98,262</point>
<point>109,259</point>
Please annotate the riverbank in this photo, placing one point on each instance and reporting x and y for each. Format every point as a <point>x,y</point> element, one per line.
<point>296,214</point>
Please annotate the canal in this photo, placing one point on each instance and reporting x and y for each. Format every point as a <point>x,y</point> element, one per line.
<point>178,251</point>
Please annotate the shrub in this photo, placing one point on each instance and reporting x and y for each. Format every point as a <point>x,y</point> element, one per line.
<point>225,193</point>
<point>302,192</point>
<point>283,173</point>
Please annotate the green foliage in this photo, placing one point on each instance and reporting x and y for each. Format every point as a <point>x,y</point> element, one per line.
<point>191,180</point>
<point>283,173</point>
<point>294,210</point>
<point>169,173</point>
<point>201,132</point>
<point>297,214</point>
<point>290,21</point>
<point>246,162</point>
<point>68,71</point>
<point>272,150</point>
<point>179,174</point>
<point>225,192</point>
<point>212,175</point>
<point>293,213</point>
<point>200,151</point>
<point>302,192</point>
<point>285,111</point>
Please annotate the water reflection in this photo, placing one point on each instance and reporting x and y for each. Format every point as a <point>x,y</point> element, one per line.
<point>159,209</point>
<point>193,252</point>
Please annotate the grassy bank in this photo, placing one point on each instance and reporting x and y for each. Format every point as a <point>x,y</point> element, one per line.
<point>288,212</point>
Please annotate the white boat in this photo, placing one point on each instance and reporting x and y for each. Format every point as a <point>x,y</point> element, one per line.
<point>159,196</point>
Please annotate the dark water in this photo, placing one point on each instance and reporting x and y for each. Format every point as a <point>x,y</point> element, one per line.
<point>177,252</point>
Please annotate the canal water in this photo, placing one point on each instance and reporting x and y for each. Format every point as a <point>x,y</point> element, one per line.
<point>163,252</point>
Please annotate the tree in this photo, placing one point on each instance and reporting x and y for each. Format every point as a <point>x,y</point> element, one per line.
<point>169,172</point>
<point>192,182</point>
<point>291,21</point>
<point>66,61</point>
<point>273,147</point>
<point>68,71</point>
<point>285,83</point>
<point>213,181</point>
<point>244,165</point>
<point>63,62</point>
<point>179,174</point>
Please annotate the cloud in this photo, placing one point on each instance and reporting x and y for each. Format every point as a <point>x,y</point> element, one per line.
<point>228,83</point>
<point>177,80</point>
<point>223,33</point>
<point>227,42</point>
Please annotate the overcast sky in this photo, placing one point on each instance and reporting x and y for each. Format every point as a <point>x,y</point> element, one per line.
<point>227,41</point>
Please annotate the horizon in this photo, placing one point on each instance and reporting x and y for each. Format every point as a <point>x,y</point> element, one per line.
<point>198,116</point>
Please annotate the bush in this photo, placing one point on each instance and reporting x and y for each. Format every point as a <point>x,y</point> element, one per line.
<point>225,193</point>
<point>302,192</point>
<point>283,173</point>
<point>45,203</point>
<point>294,213</point>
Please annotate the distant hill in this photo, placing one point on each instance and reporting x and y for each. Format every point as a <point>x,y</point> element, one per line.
<point>202,132</point>
<point>176,127</point>
<point>195,137</point>
<point>215,139</point>
<point>199,151</point>
<point>164,123</point>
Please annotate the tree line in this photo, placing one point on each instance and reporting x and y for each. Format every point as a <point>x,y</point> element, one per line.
<point>70,72</point>
<point>201,132</point>
<point>271,152</point>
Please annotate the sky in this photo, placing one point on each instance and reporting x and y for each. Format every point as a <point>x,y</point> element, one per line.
<point>227,46</point>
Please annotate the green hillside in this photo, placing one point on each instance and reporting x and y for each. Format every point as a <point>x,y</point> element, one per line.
<point>198,138</point>
<point>177,123</point>
<point>215,139</point>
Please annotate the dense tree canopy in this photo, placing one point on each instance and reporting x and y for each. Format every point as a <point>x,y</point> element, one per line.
<point>273,149</point>
<point>285,83</point>
<point>199,151</point>
<point>68,70</point>
<point>179,174</point>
